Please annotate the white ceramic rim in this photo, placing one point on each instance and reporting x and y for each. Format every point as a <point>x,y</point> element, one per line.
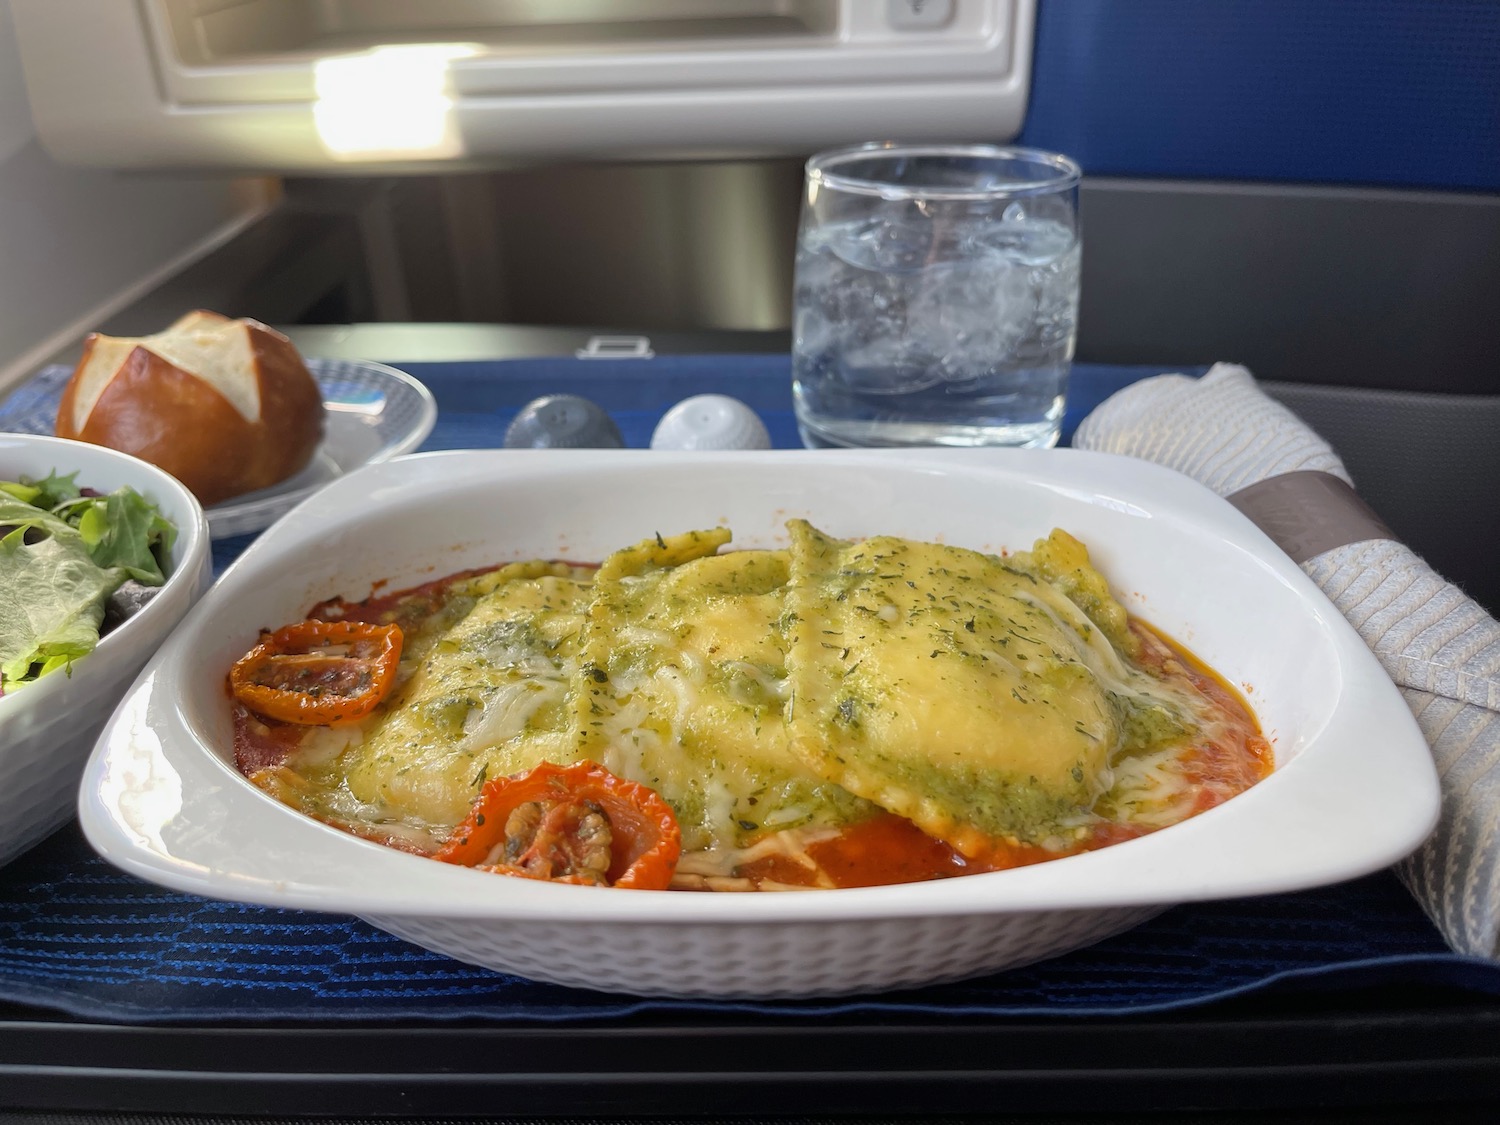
<point>1370,747</point>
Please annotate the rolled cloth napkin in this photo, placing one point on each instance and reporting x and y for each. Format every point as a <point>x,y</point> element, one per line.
<point>1438,645</point>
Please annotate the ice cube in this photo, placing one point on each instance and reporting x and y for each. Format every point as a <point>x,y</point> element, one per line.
<point>888,366</point>
<point>975,316</point>
<point>885,244</point>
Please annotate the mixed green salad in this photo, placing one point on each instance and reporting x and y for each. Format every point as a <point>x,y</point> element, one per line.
<point>73,563</point>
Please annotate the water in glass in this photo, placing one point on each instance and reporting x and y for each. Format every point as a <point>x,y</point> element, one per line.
<point>931,324</point>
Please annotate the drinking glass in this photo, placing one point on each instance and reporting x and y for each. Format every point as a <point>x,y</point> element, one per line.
<point>936,296</point>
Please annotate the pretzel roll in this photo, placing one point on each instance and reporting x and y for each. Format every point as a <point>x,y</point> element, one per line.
<point>225,406</point>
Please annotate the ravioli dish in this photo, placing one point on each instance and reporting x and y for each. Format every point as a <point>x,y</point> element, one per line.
<point>838,713</point>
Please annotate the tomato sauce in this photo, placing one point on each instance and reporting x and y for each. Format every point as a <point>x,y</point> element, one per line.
<point>1217,770</point>
<point>407,608</point>
<point>262,743</point>
<point>882,850</point>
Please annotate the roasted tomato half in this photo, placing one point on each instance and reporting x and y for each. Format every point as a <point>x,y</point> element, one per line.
<point>319,673</point>
<point>570,824</point>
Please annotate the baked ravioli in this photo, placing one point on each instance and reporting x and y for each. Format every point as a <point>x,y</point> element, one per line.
<point>484,690</point>
<point>685,688</point>
<point>946,687</point>
<point>838,713</point>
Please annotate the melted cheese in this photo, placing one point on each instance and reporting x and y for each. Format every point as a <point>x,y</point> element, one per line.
<point>483,697</point>
<point>936,682</point>
<point>684,685</point>
<point>772,697</point>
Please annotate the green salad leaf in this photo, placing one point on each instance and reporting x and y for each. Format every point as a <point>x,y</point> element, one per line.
<point>53,490</point>
<point>123,529</point>
<point>25,492</point>
<point>62,554</point>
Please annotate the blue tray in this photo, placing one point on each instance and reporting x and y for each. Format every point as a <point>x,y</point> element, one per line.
<point>80,937</point>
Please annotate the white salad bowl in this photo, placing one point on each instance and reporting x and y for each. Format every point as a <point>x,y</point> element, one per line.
<point>1354,788</point>
<point>47,728</point>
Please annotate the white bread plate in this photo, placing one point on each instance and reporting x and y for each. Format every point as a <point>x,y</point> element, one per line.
<point>1354,787</point>
<point>47,728</point>
<point>371,413</point>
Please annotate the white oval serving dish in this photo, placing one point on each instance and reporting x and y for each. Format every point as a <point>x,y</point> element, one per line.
<point>1354,788</point>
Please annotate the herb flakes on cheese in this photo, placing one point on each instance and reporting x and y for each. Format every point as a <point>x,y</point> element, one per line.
<point>1003,705</point>
<point>684,685</point>
<point>485,696</point>
<point>946,687</point>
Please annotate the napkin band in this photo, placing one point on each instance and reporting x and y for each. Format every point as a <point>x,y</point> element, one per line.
<point>1309,512</point>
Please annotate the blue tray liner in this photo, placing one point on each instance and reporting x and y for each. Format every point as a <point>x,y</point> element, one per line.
<point>78,936</point>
